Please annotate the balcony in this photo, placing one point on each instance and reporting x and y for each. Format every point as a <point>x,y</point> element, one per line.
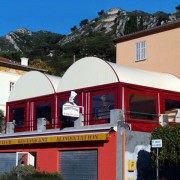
<point>135,121</point>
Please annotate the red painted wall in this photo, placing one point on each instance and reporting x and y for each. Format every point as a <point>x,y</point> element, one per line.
<point>47,160</point>
<point>47,155</point>
<point>107,159</point>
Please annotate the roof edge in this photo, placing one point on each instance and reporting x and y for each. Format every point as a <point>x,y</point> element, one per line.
<point>154,30</point>
<point>21,67</point>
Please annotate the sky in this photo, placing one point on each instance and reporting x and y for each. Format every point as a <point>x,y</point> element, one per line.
<point>59,16</point>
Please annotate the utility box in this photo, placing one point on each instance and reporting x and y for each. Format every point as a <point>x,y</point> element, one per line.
<point>131,165</point>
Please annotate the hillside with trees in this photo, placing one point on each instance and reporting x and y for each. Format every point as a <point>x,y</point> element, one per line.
<point>56,52</point>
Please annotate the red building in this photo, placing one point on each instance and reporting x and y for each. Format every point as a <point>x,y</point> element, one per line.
<point>109,96</point>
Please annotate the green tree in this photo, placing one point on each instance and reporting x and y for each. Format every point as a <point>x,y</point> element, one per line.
<point>170,151</point>
<point>178,8</point>
<point>73,28</point>
<point>83,22</point>
<point>131,25</point>
<point>16,56</point>
<point>100,13</point>
<point>141,26</point>
<point>38,63</point>
<point>169,154</point>
<point>2,121</point>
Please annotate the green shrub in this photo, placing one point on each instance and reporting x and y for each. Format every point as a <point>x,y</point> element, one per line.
<point>45,176</point>
<point>29,173</point>
<point>170,151</point>
<point>23,170</point>
<point>18,172</point>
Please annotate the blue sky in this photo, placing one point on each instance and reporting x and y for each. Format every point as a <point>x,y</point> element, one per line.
<point>60,15</point>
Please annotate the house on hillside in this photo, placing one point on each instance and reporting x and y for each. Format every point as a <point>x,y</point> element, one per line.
<point>93,123</point>
<point>10,72</point>
<point>155,49</point>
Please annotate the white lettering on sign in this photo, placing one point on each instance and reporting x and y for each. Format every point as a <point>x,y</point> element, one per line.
<point>156,143</point>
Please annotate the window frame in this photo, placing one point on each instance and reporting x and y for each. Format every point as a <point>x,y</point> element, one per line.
<point>144,92</point>
<point>26,125</point>
<point>100,91</point>
<point>169,96</point>
<point>11,85</point>
<point>39,101</point>
<point>140,51</point>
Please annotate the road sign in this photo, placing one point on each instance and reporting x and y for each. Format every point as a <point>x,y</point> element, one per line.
<point>157,143</point>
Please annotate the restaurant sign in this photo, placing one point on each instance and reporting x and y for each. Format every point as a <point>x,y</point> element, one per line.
<point>55,139</point>
<point>70,110</point>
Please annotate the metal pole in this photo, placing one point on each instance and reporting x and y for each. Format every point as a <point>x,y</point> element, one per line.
<point>157,170</point>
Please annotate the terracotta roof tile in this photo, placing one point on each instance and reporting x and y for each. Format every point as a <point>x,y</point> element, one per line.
<point>18,65</point>
<point>2,59</point>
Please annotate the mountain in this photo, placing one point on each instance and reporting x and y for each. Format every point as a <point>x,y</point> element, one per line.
<point>25,40</point>
<point>93,38</point>
<point>117,22</point>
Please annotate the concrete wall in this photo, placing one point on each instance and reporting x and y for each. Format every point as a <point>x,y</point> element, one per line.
<point>131,146</point>
<point>138,150</point>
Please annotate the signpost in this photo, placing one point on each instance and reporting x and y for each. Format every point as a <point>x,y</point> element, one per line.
<point>157,143</point>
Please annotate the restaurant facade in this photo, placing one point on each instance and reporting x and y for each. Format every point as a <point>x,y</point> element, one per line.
<point>83,125</point>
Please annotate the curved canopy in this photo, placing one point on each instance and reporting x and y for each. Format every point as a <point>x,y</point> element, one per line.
<point>92,71</point>
<point>147,78</point>
<point>87,72</point>
<point>33,84</point>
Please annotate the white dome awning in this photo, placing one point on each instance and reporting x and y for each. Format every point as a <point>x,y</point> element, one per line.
<point>33,84</point>
<point>147,78</point>
<point>87,72</point>
<point>92,71</point>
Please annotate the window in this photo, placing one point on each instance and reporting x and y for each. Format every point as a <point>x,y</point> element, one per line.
<point>172,109</point>
<point>18,116</point>
<point>142,106</point>
<point>102,104</point>
<point>44,111</point>
<point>140,51</point>
<point>11,85</point>
<point>25,158</point>
<point>43,108</point>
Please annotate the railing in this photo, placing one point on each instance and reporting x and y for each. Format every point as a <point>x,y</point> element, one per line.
<point>114,117</point>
